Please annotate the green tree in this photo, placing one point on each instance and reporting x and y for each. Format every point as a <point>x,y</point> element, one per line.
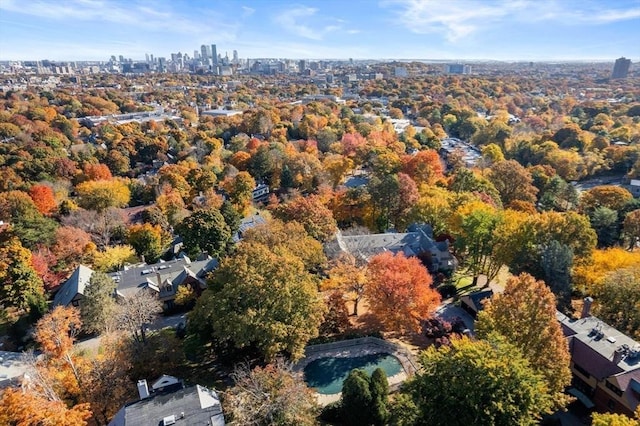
<point>558,195</point>
<point>379,386</point>
<point>486,382</point>
<point>240,190</point>
<point>19,282</point>
<point>525,314</point>
<point>356,399</point>
<point>26,221</point>
<point>99,305</point>
<point>556,260</point>
<point>631,226</point>
<point>609,419</point>
<point>605,222</point>
<point>148,241</point>
<point>492,153</point>
<point>205,231</point>
<point>261,298</point>
<point>475,238</point>
<point>231,216</point>
<point>618,300</point>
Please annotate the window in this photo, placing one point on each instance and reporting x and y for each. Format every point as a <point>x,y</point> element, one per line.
<point>613,388</point>
<point>75,303</point>
<point>611,404</point>
<point>581,370</point>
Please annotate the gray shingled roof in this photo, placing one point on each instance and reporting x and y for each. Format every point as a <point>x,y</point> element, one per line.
<point>74,285</point>
<point>193,406</point>
<point>133,279</point>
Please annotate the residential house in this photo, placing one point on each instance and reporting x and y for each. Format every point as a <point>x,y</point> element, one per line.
<point>605,364</point>
<point>418,242</point>
<point>169,402</point>
<point>164,278</point>
<point>260,193</point>
<point>634,187</point>
<point>71,292</point>
<point>246,224</point>
<point>474,302</point>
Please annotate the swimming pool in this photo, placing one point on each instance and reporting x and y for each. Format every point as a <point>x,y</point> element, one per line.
<point>327,374</point>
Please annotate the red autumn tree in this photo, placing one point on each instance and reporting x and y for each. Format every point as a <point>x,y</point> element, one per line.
<point>43,261</point>
<point>43,198</point>
<point>399,291</point>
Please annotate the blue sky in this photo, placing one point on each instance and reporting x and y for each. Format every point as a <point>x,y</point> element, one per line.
<point>359,29</point>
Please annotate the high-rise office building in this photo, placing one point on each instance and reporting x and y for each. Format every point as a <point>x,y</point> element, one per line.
<point>235,57</point>
<point>203,50</point>
<point>621,68</point>
<point>214,55</point>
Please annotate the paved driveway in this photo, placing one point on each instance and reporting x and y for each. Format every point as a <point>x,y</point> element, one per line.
<point>449,311</point>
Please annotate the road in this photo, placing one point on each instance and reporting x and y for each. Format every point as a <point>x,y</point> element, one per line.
<point>93,344</point>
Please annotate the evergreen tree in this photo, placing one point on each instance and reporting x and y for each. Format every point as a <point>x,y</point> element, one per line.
<point>357,399</point>
<point>379,387</point>
<point>99,305</point>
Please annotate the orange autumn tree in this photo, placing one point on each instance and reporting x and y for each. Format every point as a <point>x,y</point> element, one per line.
<point>425,167</point>
<point>25,408</point>
<point>52,385</point>
<point>96,172</point>
<point>43,198</point>
<point>399,291</point>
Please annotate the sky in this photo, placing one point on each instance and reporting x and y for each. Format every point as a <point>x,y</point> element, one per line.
<point>322,29</point>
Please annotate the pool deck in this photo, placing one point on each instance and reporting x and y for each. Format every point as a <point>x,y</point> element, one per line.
<point>354,348</point>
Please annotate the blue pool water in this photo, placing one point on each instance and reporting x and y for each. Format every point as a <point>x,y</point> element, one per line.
<point>327,374</point>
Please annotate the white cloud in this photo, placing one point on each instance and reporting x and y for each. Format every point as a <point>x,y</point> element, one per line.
<point>456,20</point>
<point>247,11</point>
<point>291,20</point>
<point>306,22</point>
<point>157,16</point>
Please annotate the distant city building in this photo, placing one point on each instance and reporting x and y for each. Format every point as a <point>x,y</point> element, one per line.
<point>221,112</point>
<point>458,69</point>
<point>621,68</point>
<point>401,72</point>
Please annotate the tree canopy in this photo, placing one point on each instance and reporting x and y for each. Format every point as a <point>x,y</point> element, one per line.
<point>261,298</point>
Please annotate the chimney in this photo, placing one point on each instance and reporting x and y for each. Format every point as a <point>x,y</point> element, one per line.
<point>586,307</point>
<point>159,280</point>
<point>143,389</point>
<point>618,354</point>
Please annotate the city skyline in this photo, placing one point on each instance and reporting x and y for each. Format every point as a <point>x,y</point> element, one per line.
<point>387,29</point>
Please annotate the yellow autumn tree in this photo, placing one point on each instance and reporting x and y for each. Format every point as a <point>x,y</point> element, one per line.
<point>588,278</point>
<point>99,195</point>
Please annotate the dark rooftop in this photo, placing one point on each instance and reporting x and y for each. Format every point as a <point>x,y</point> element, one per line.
<point>192,406</point>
